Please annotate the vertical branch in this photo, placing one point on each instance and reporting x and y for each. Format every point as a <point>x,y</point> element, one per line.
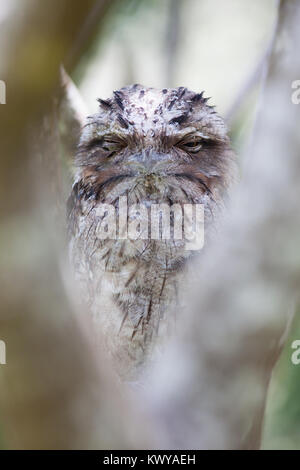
<point>172,39</point>
<point>53,392</point>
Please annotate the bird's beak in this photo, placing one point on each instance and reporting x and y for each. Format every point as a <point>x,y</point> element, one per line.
<point>149,162</point>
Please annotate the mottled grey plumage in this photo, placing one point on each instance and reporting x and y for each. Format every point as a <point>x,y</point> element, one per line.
<point>153,146</point>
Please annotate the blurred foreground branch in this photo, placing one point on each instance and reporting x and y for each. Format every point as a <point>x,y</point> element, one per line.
<point>54,392</point>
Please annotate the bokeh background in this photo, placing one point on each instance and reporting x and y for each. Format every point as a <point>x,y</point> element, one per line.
<point>209,45</point>
<point>212,45</point>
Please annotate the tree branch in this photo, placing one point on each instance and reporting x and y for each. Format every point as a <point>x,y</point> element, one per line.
<point>54,393</point>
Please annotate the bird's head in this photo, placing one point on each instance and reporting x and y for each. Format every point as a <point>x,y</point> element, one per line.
<point>163,145</point>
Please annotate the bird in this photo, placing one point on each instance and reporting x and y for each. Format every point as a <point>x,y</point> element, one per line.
<point>144,147</point>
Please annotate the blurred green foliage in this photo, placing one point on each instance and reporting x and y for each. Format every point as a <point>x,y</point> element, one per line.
<point>282,425</point>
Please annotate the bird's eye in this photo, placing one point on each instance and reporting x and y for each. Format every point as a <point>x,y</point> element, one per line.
<point>191,146</point>
<point>106,144</point>
<point>111,145</point>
